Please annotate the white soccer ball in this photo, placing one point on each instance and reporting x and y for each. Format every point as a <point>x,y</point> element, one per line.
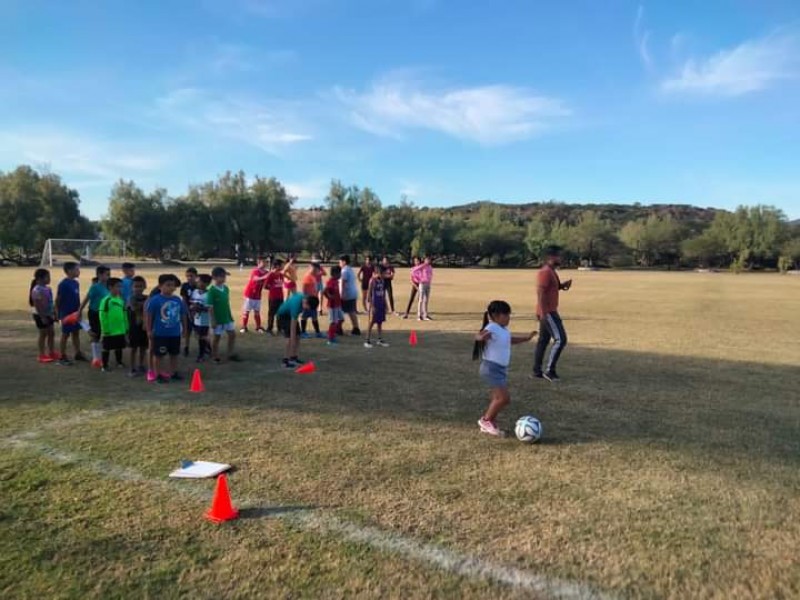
<point>528,429</point>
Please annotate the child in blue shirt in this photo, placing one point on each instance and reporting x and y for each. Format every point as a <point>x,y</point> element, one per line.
<point>68,301</point>
<point>167,319</point>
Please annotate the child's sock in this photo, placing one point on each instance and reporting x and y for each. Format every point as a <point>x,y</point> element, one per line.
<point>332,332</point>
<point>257,317</point>
<point>96,351</point>
<point>245,319</point>
<point>315,323</point>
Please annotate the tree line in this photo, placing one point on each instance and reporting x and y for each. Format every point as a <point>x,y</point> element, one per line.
<point>236,216</point>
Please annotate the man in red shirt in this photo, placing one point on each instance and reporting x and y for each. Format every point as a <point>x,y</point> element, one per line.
<point>252,296</point>
<point>550,325</point>
<point>274,285</point>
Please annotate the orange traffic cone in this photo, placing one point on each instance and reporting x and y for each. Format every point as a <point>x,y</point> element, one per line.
<point>309,367</point>
<point>197,383</point>
<point>221,507</point>
<point>412,338</point>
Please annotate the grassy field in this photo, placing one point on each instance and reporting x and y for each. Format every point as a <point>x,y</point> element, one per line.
<point>670,466</point>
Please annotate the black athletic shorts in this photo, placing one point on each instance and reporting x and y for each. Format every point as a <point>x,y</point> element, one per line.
<point>113,342</point>
<point>42,323</point>
<point>94,323</point>
<point>167,345</point>
<point>137,338</point>
<point>349,306</point>
<point>201,330</point>
<point>285,323</point>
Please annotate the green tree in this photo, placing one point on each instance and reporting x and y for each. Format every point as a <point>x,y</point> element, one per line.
<point>537,237</point>
<point>590,238</point>
<point>33,208</point>
<point>653,240</point>
<point>345,226</point>
<point>139,218</point>
<point>393,229</point>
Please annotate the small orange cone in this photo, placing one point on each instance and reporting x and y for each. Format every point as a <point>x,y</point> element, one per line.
<point>70,319</point>
<point>197,383</point>
<point>221,508</point>
<point>412,338</point>
<point>309,367</point>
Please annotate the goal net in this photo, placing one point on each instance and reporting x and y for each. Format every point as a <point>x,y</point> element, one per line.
<point>85,252</point>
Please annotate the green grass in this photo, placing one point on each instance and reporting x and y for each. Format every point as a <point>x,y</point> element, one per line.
<point>669,466</point>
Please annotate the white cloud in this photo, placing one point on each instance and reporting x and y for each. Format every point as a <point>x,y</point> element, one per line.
<point>493,114</point>
<point>310,191</point>
<point>750,67</point>
<point>75,154</point>
<point>270,126</point>
<point>641,37</point>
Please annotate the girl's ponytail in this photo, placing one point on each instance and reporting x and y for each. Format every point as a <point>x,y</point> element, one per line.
<point>477,348</point>
<point>38,275</point>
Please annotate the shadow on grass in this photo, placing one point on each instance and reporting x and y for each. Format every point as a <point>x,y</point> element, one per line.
<point>267,512</point>
<point>716,407</point>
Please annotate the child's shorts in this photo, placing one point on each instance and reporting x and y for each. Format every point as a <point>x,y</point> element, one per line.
<point>113,342</point>
<point>350,306</point>
<point>335,315</point>
<point>222,328</point>
<point>42,323</point>
<point>71,328</point>
<point>310,314</point>
<point>201,330</point>
<point>94,323</point>
<point>137,338</point>
<point>494,375</point>
<point>285,323</point>
<point>167,345</point>
<point>250,304</point>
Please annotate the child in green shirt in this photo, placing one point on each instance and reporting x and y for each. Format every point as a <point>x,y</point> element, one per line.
<point>218,300</point>
<point>113,322</point>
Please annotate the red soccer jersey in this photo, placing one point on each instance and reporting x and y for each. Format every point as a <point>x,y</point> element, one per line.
<point>254,288</point>
<point>274,283</point>
<point>332,293</point>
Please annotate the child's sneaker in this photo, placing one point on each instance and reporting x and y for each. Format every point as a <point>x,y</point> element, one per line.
<point>151,376</point>
<point>65,362</point>
<point>321,336</point>
<point>297,361</point>
<point>56,355</point>
<point>382,344</point>
<point>489,427</point>
<point>261,330</point>
<point>45,358</point>
<point>332,343</point>
<point>368,344</point>
<point>162,379</point>
<point>356,332</point>
<point>105,369</point>
<point>97,363</point>
<point>305,336</point>
<point>287,364</point>
<point>142,369</point>
<point>243,330</point>
<point>133,373</point>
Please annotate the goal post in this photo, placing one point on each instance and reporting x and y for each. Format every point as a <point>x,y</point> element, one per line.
<point>57,251</point>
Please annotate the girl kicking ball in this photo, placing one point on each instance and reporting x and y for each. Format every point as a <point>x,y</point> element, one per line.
<point>493,346</point>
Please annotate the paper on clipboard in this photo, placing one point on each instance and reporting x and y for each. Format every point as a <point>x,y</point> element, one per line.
<point>199,469</point>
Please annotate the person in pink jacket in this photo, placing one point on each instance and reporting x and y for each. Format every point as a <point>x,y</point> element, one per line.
<point>424,275</point>
<point>414,286</point>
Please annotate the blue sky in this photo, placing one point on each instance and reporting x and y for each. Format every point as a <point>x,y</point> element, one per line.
<point>444,101</point>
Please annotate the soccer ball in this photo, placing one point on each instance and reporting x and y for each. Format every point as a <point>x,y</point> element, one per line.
<point>528,430</point>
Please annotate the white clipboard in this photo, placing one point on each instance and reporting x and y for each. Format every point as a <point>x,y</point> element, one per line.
<point>199,469</point>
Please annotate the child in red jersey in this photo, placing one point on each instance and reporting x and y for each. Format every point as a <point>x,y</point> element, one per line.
<point>252,296</point>
<point>274,284</point>
<point>334,299</point>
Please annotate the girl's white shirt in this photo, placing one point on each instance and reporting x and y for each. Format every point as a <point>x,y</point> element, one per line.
<point>497,348</point>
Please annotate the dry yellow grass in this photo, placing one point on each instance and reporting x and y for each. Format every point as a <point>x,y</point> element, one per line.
<point>669,466</point>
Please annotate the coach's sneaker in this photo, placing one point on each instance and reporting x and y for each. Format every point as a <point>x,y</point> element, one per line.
<point>151,376</point>
<point>489,427</point>
<point>382,344</point>
<point>551,376</point>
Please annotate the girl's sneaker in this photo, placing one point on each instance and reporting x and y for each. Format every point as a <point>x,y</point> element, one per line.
<point>97,363</point>
<point>45,358</point>
<point>382,344</point>
<point>151,376</point>
<point>287,364</point>
<point>489,427</point>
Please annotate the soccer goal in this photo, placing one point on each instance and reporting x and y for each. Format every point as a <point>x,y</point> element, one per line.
<point>85,252</point>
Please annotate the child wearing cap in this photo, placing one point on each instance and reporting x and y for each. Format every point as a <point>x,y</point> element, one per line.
<point>220,316</point>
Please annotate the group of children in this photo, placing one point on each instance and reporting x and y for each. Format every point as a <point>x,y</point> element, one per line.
<point>120,314</point>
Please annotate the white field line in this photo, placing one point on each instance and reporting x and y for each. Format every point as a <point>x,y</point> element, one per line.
<point>458,563</point>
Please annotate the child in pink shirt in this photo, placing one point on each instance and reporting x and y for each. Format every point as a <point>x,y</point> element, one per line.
<point>424,276</point>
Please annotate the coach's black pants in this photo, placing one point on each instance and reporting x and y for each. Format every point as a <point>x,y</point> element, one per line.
<point>550,328</point>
